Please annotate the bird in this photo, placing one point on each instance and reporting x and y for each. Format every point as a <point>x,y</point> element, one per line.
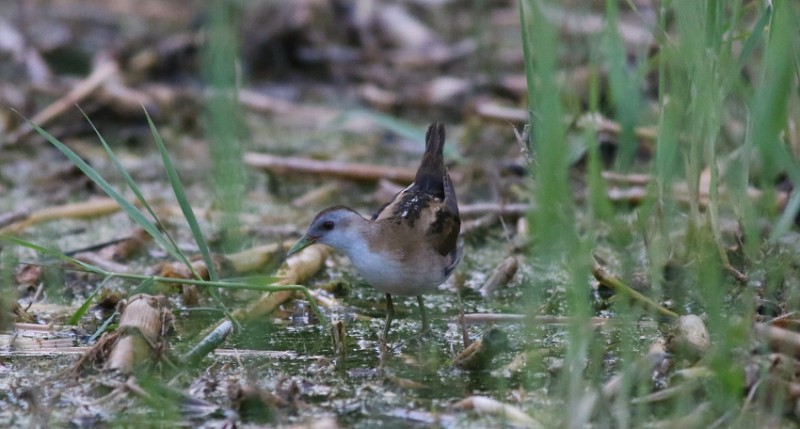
<point>411,244</point>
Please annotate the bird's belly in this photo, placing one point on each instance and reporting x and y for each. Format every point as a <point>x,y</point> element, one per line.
<point>389,276</point>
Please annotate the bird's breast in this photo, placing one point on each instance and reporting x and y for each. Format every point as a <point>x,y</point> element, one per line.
<point>408,278</point>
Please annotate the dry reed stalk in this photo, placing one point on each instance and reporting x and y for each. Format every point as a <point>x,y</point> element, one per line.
<point>140,333</point>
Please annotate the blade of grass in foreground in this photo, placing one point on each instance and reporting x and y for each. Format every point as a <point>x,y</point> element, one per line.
<point>771,107</point>
<point>188,213</point>
<point>254,280</point>
<point>178,254</point>
<point>51,252</point>
<point>131,210</point>
<point>755,38</point>
<point>183,201</point>
<point>554,224</point>
<point>254,283</point>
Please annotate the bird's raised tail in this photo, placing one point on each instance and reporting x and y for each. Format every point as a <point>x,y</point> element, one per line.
<point>431,171</point>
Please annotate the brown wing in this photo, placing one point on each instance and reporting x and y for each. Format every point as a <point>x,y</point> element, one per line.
<point>428,207</point>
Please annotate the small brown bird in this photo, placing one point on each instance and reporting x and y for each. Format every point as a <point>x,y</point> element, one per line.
<point>410,245</point>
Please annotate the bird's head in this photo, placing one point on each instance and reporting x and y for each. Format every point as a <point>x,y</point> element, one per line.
<point>336,226</point>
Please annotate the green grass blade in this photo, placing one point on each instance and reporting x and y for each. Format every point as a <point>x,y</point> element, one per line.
<point>183,201</point>
<point>786,219</point>
<point>188,213</point>
<point>755,37</point>
<point>76,317</point>
<point>54,253</point>
<point>253,279</point>
<point>138,193</point>
<point>131,210</point>
<point>102,328</point>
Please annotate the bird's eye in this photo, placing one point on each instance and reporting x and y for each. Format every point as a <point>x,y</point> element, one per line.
<point>327,225</point>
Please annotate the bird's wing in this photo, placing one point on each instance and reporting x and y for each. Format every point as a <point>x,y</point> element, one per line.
<point>428,208</point>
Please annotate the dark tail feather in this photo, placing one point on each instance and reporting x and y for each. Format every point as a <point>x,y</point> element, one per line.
<point>430,175</point>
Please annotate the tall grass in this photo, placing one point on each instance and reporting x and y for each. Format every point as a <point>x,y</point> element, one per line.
<point>163,238</point>
<point>554,223</point>
<point>224,124</point>
<point>715,60</point>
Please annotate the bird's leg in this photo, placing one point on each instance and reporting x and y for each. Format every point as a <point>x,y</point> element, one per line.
<point>389,316</point>
<point>382,341</point>
<point>425,326</point>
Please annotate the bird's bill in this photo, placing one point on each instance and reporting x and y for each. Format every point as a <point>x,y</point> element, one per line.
<point>301,244</point>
